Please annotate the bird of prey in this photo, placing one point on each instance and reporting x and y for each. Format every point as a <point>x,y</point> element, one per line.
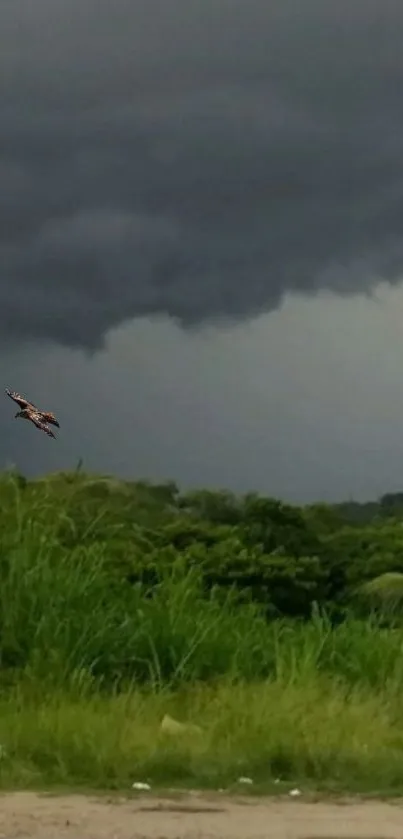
<point>29,411</point>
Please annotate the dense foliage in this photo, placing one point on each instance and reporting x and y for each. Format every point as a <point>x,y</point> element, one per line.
<point>124,580</point>
<point>281,556</point>
<point>277,628</point>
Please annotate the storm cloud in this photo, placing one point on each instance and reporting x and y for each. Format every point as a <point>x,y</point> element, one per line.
<point>194,158</point>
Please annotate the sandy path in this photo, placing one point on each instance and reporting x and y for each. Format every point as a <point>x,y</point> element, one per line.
<point>27,815</point>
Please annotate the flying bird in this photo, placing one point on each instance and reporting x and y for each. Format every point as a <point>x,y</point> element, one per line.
<point>29,411</point>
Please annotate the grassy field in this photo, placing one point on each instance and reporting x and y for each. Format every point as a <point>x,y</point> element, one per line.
<point>314,732</point>
<point>90,665</point>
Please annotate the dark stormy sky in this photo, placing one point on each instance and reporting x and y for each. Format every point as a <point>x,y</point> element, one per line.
<point>201,240</point>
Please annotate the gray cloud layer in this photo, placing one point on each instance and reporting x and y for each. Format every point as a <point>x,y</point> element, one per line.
<point>194,158</point>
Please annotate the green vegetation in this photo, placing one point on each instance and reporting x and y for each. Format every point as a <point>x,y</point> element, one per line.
<point>277,630</point>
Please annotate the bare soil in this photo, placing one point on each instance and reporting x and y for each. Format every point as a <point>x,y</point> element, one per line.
<point>27,815</point>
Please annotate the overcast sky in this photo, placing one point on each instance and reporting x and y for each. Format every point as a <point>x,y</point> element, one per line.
<point>201,249</point>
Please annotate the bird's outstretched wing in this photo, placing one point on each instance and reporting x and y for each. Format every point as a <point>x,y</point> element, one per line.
<point>20,400</point>
<point>37,420</point>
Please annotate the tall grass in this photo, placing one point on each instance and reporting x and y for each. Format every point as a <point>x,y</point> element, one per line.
<point>90,664</point>
<point>314,733</point>
<point>62,623</point>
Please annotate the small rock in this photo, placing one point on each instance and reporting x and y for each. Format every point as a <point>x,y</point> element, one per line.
<point>171,726</point>
<point>245,781</point>
<point>140,785</point>
<point>295,792</point>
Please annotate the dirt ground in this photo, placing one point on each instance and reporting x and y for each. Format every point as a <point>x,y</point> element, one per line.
<point>27,815</point>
